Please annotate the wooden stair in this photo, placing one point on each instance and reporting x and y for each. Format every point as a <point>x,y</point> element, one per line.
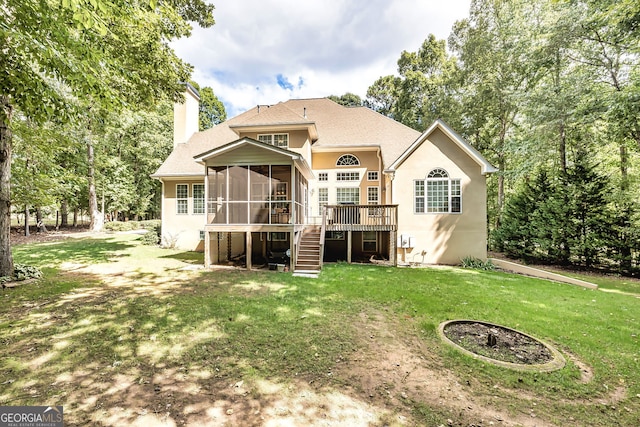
<point>308,262</point>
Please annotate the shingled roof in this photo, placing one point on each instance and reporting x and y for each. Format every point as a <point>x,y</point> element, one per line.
<point>337,127</point>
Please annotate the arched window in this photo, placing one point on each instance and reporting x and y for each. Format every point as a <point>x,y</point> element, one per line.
<point>438,173</point>
<point>348,160</point>
<point>437,193</point>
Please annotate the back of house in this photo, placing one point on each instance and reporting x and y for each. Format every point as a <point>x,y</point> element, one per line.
<point>308,180</point>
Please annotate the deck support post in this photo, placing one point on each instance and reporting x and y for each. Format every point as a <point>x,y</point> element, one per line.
<point>248,250</point>
<point>207,249</point>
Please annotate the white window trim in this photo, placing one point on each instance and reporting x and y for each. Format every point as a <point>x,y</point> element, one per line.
<point>373,202</point>
<point>322,203</point>
<point>350,165</point>
<point>369,241</point>
<point>350,174</point>
<point>272,137</point>
<point>193,201</point>
<point>425,183</point>
<point>279,235</point>
<point>370,173</point>
<point>345,188</point>
<point>179,199</point>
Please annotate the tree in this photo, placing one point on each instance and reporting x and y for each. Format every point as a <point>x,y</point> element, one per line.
<point>348,99</point>
<point>422,92</point>
<point>495,46</point>
<point>106,58</point>
<point>212,111</point>
<point>382,95</point>
<point>134,145</point>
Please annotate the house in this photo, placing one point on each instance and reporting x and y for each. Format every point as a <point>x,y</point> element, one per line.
<point>308,180</point>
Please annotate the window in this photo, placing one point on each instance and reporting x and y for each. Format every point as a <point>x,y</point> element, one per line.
<point>369,241</point>
<point>278,139</point>
<point>278,236</point>
<point>372,195</point>
<point>334,235</point>
<point>348,160</point>
<point>418,195</point>
<point>198,198</point>
<point>348,196</point>
<point>323,198</point>
<point>182,198</point>
<point>348,176</point>
<point>201,234</point>
<point>372,176</point>
<point>437,194</point>
<point>323,176</point>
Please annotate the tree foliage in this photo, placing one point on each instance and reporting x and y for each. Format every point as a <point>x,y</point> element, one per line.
<point>60,57</point>
<point>212,111</point>
<point>549,92</point>
<point>348,99</point>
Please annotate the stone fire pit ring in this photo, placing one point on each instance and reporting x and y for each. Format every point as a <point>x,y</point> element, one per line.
<point>557,360</point>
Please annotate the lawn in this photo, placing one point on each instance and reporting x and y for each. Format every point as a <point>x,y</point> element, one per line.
<point>122,334</point>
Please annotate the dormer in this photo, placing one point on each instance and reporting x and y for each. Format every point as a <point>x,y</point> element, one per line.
<point>274,120</point>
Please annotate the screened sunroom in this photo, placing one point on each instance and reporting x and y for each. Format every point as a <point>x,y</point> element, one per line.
<point>257,195</point>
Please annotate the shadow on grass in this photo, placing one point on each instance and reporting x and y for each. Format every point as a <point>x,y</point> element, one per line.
<point>188,348</point>
<point>81,251</point>
<point>189,257</point>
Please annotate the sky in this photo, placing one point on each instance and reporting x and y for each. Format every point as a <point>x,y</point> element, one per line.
<point>268,51</point>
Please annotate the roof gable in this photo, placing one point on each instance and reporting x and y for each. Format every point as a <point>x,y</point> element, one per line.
<point>242,142</point>
<point>474,154</point>
<point>252,144</point>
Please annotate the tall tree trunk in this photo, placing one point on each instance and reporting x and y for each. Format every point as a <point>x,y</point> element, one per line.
<point>6,259</point>
<point>27,232</point>
<point>624,167</point>
<point>75,217</point>
<point>64,214</point>
<point>40,221</point>
<point>563,147</point>
<point>97,221</point>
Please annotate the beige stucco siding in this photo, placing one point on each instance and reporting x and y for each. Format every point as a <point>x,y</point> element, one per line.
<point>325,162</point>
<point>446,238</point>
<point>181,230</point>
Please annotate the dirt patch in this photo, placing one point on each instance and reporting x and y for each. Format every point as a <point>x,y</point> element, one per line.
<point>398,370</point>
<point>51,235</point>
<point>498,343</point>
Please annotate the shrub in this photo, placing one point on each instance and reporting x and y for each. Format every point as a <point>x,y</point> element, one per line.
<point>477,264</point>
<point>150,238</point>
<point>153,224</point>
<point>22,272</point>
<point>121,225</point>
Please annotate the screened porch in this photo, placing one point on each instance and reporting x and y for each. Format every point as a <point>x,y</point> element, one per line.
<point>256,195</point>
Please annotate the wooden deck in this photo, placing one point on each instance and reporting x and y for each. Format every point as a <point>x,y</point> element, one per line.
<point>360,217</point>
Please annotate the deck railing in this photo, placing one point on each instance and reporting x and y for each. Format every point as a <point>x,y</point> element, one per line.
<point>361,217</point>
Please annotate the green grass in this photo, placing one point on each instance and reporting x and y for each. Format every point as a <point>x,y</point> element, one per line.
<point>616,283</point>
<point>131,311</point>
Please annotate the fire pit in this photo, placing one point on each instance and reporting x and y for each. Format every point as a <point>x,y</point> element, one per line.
<point>501,346</point>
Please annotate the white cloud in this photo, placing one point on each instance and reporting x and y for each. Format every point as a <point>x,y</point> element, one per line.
<point>331,46</point>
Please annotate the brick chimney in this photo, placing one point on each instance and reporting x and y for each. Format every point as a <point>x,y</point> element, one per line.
<point>185,116</point>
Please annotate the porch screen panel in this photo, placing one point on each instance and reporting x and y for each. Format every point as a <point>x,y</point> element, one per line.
<point>281,188</point>
<point>217,197</point>
<point>259,185</point>
<point>238,195</point>
<point>238,183</point>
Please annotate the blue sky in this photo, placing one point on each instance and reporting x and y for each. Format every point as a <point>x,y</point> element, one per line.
<point>267,51</point>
